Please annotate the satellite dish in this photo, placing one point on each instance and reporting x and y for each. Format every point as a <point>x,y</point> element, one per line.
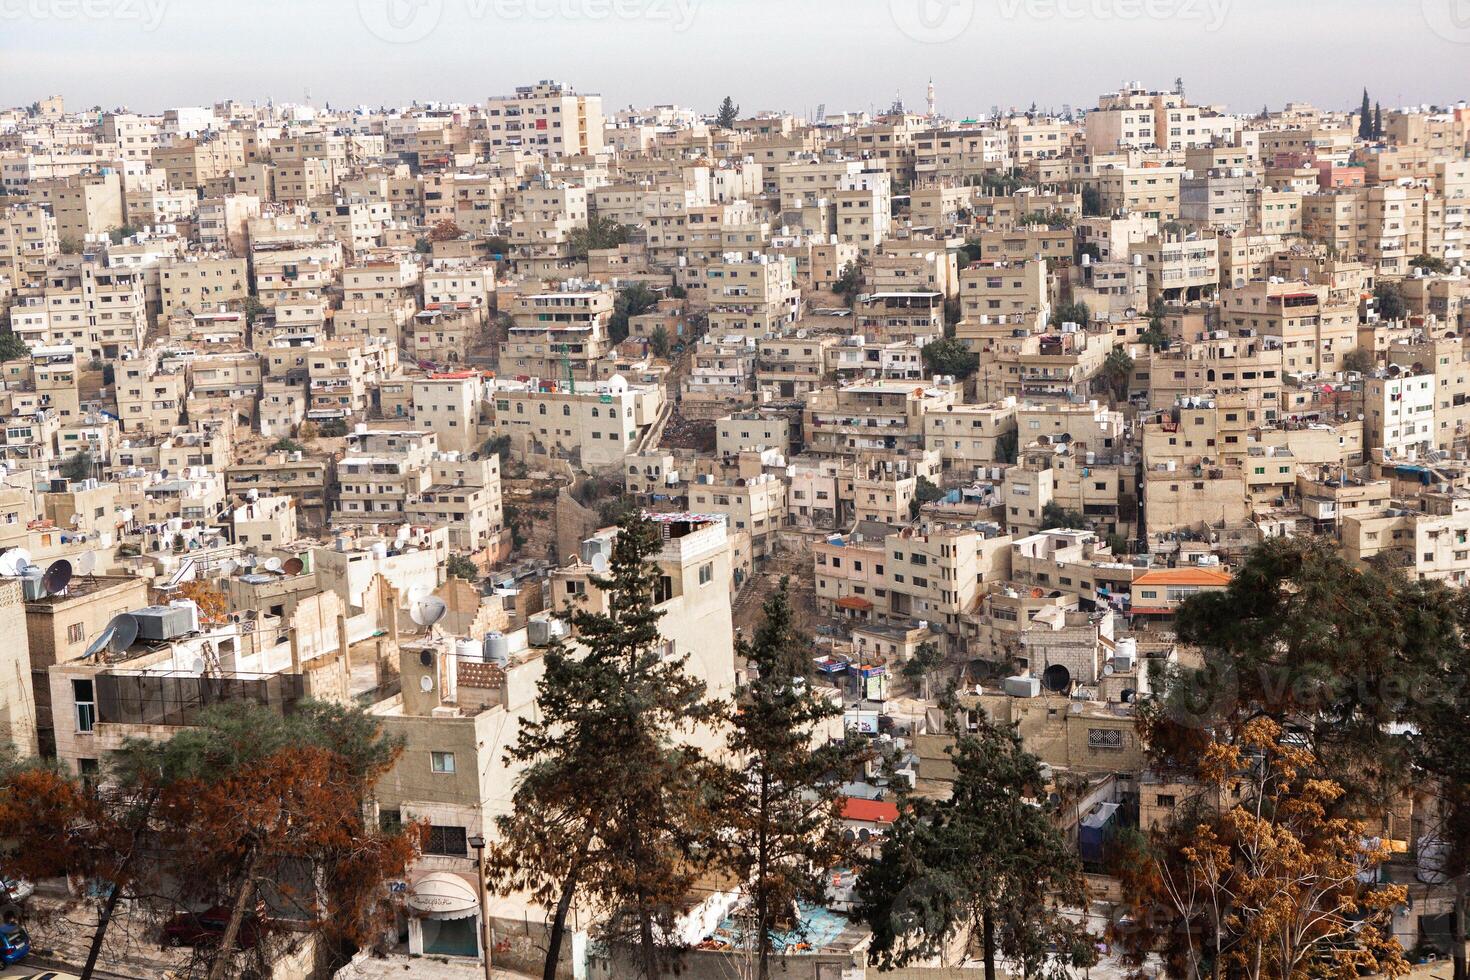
<point>199,665</point>
<point>226,566</point>
<point>426,683</point>
<point>124,629</point>
<point>599,563</point>
<point>273,564</point>
<point>1056,679</point>
<point>87,562</point>
<point>103,640</point>
<point>251,615</point>
<point>418,594</point>
<point>57,576</point>
<point>294,566</point>
<point>428,612</point>
<point>14,561</point>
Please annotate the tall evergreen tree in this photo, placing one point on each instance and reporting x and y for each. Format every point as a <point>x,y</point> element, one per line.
<point>783,811</point>
<point>1378,121</point>
<point>612,809</point>
<point>987,867</point>
<point>728,114</point>
<point>1365,118</point>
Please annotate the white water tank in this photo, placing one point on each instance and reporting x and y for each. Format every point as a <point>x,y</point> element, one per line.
<point>380,550</point>
<point>1125,655</point>
<point>468,650</point>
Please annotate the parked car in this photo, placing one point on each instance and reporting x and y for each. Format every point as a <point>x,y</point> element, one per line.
<point>15,890</point>
<point>15,944</point>
<point>204,928</point>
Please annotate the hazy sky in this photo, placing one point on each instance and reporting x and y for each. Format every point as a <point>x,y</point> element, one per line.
<point>792,54</point>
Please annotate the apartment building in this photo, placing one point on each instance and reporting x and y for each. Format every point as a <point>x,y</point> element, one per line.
<point>559,334</point>
<point>874,418</point>
<point>596,424</point>
<point>464,496</point>
<point>29,241</point>
<point>548,116</point>
<point>307,481</point>
<point>89,204</point>
<point>202,283</point>
<point>1314,329</point>
<point>1398,413</point>
<point>751,295</point>
<point>382,471</point>
<point>971,437</point>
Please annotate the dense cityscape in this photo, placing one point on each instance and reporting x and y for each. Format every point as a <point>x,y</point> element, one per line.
<point>528,537</point>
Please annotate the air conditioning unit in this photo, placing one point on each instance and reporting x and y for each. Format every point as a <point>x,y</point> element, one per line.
<point>544,632</point>
<point>1022,687</point>
<point>160,623</point>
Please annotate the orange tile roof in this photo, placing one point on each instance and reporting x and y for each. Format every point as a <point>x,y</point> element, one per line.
<point>1184,576</point>
<point>869,811</point>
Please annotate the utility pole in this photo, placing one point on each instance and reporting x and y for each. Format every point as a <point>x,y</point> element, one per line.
<point>478,843</point>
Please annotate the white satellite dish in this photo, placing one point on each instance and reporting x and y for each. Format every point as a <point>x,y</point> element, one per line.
<point>273,564</point>
<point>226,566</point>
<point>199,665</point>
<point>12,561</point>
<point>428,612</point>
<point>599,563</point>
<point>87,563</point>
<point>426,683</point>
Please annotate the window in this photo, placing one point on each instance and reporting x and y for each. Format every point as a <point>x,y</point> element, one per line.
<point>1105,739</point>
<point>442,761</point>
<point>706,573</point>
<point>86,702</point>
<point>75,633</point>
<point>447,840</point>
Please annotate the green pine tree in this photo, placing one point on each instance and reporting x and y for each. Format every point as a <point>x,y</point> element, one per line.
<point>611,807</point>
<point>783,811</point>
<point>986,867</point>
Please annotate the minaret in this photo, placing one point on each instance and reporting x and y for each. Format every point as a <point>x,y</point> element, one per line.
<point>933,111</point>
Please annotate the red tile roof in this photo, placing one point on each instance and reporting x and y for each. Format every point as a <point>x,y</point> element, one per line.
<point>869,811</point>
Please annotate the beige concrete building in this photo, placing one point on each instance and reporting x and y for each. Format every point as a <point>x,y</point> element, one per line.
<point>202,283</point>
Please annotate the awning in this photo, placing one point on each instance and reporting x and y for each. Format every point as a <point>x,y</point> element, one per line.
<point>854,602</point>
<point>443,895</point>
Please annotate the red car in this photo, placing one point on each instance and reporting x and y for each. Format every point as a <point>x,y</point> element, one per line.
<point>207,927</point>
